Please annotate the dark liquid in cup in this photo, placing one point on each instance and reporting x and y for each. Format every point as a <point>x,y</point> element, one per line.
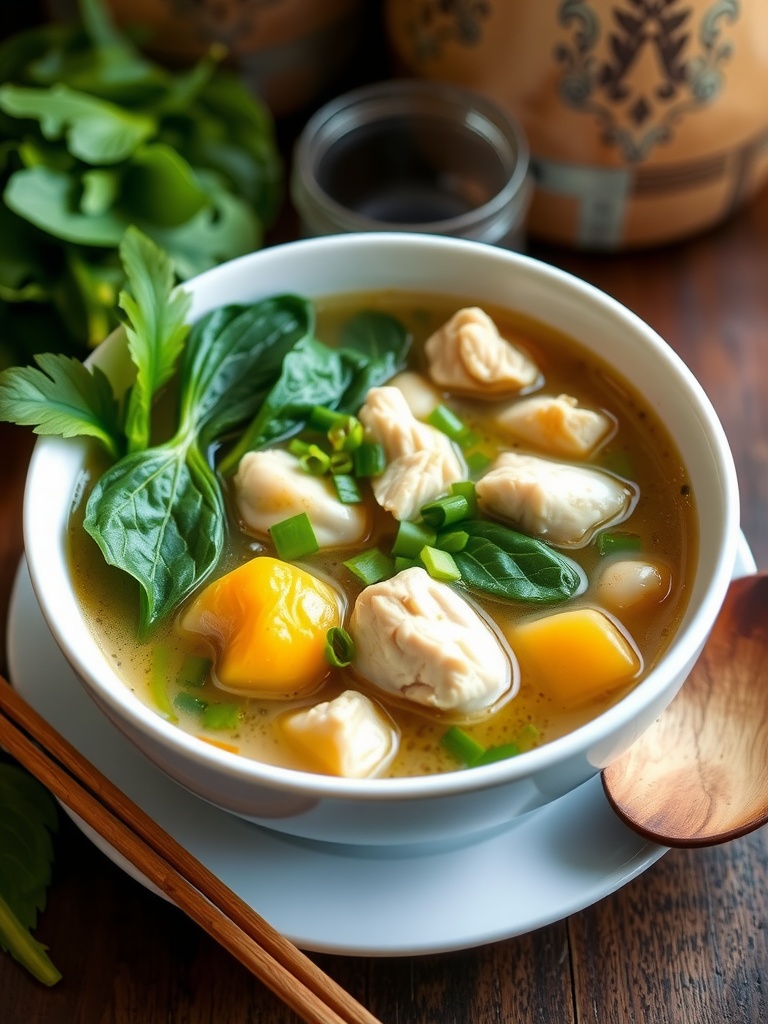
<point>395,173</point>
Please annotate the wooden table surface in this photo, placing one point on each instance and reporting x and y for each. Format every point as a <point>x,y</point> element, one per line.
<point>685,942</point>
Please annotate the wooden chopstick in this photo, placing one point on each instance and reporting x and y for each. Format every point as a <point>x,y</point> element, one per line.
<point>283,968</point>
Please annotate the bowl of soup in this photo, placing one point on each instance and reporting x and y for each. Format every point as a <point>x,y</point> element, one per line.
<point>448,529</point>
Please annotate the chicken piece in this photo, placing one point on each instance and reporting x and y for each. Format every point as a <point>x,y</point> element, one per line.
<point>421,461</point>
<point>271,486</point>
<point>558,425</point>
<point>467,355</point>
<point>633,583</point>
<point>348,736</point>
<point>417,638</point>
<point>420,394</point>
<point>266,623</point>
<point>558,502</point>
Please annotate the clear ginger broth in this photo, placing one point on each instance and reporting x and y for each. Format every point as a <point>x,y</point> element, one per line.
<point>640,450</point>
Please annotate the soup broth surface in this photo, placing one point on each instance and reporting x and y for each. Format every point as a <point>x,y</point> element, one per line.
<point>639,450</point>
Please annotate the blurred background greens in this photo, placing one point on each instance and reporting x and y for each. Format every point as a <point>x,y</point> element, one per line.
<point>94,136</point>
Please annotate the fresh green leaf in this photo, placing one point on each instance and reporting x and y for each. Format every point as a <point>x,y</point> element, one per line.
<point>51,201</point>
<point>96,131</point>
<point>156,327</point>
<point>234,355</point>
<point>27,817</point>
<point>510,565</point>
<point>159,516</point>
<point>100,189</point>
<point>227,227</point>
<point>159,187</point>
<point>62,397</point>
<point>314,374</point>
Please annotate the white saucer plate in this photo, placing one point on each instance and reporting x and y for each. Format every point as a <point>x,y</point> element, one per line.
<point>356,901</point>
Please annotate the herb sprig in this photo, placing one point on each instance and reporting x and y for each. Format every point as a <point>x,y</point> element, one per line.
<point>94,137</point>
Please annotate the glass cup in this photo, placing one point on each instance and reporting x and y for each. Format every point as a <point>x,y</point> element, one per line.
<point>409,155</point>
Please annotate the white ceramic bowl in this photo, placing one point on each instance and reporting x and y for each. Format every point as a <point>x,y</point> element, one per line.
<point>382,811</point>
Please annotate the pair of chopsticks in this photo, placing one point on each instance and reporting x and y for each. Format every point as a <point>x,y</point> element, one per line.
<point>284,969</point>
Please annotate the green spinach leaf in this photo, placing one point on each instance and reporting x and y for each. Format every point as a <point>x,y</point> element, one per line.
<point>316,374</point>
<point>510,565</point>
<point>159,514</point>
<point>27,818</point>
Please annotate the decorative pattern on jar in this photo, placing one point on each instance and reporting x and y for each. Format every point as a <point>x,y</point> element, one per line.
<point>647,119</point>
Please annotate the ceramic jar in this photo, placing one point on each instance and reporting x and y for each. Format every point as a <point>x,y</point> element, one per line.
<point>647,119</point>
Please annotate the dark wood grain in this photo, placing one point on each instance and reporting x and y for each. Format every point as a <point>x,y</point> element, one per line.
<point>686,943</point>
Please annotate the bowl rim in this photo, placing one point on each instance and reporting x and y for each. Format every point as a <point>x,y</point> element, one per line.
<point>119,702</point>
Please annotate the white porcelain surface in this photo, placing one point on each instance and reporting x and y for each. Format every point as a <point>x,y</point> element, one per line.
<point>457,803</point>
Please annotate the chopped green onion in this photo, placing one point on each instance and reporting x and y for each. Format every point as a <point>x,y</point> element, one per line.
<point>447,422</point>
<point>298,447</point>
<point>186,702</point>
<point>294,537</point>
<point>467,489</point>
<point>371,566</point>
<point>370,459</point>
<point>339,647</point>
<point>615,543</point>
<point>411,538</point>
<point>315,460</point>
<point>158,682</point>
<point>221,716</point>
<point>347,434</point>
<point>439,564</point>
<point>461,745</point>
<point>194,671</point>
<point>402,563</point>
<point>493,754</point>
<point>478,462</point>
<point>445,511</point>
<point>527,737</point>
<point>341,462</point>
<point>452,540</point>
<point>347,490</point>
<point>324,419</point>
<point>468,439</point>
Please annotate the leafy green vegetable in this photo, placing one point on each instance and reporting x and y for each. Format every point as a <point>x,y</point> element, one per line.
<point>313,374</point>
<point>62,397</point>
<point>156,328</point>
<point>95,137</point>
<point>510,565</point>
<point>27,818</point>
<point>158,514</point>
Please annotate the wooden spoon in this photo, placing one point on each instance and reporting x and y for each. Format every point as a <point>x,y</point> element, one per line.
<point>699,775</point>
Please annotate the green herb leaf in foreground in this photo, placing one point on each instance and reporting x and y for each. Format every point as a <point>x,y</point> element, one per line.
<point>159,514</point>
<point>156,327</point>
<point>509,565</point>
<point>62,397</point>
<point>314,374</point>
<point>27,817</point>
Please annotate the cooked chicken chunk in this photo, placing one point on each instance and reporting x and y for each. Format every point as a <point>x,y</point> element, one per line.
<point>558,425</point>
<point>271,486</point>
<point>348,736</point>
<point>417,638</point>
<point>555,501</point>
<point>467,355</point>
<point>421,461</point>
